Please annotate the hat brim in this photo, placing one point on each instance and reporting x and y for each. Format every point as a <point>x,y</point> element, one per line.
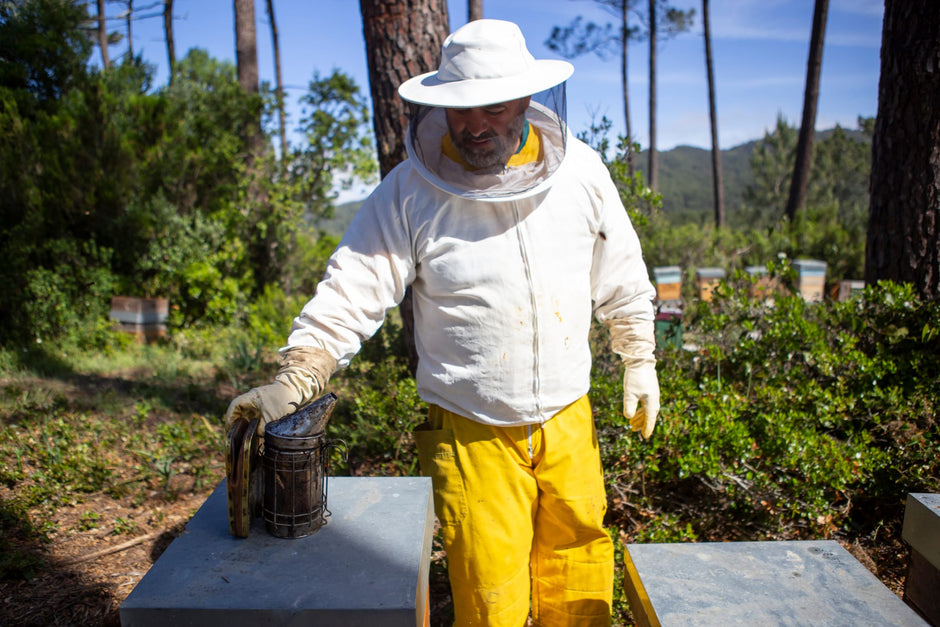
<point>427,89</point>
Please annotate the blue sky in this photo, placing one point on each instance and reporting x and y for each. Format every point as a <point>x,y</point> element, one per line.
<point>760,52</point>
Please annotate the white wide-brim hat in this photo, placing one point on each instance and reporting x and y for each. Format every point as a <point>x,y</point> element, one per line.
<point>482,63</point>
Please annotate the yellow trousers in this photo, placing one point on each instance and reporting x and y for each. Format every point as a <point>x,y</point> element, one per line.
<point>521,511</point>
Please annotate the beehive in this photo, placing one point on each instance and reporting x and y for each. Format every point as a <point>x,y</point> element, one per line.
<point>706,280</point>
<point>668,281</point>
<point>811,279</point>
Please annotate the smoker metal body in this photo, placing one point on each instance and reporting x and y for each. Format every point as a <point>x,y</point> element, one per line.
<point>294,471</point>
<point>280,476</point>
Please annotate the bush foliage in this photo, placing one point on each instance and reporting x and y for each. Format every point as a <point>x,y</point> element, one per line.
<point>110,186</point>
<point>794,416</point>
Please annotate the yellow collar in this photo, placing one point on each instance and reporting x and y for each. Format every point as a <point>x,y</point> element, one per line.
<point>529,152</point>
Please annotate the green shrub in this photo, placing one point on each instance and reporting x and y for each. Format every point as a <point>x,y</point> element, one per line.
<point>786,416</point>
<point>378,407</point>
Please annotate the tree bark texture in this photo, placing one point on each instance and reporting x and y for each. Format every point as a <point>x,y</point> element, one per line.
<point>128,18</point>
<point>103,35</point>
<point>264,248</point>
<point>653,169</point>
<point>624,81</point>
<point>799,182</point>
<point>474,10</point>
<point>717,184</point>
<point>279,88</point>
<point>903,242</point>
<point>246,47</point>
<point>403,39</point>
<point>246,59</point>
<point>168,34</point>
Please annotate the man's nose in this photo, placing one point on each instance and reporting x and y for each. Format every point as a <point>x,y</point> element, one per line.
<point>476,122</point>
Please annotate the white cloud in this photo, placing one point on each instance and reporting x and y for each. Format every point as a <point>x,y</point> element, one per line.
<point>868,8</point>
<point>764,81</point>
<point>861,40</point>
<point>782,22</point>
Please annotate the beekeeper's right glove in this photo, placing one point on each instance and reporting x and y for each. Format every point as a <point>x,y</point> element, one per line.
<point>303,374</point>
<point>634,340</point>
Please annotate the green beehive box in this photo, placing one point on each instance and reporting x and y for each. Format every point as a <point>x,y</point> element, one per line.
<point>668,327</point>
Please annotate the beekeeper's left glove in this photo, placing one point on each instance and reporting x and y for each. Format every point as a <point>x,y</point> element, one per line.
<point>303,374</point>
<point>634,340</point>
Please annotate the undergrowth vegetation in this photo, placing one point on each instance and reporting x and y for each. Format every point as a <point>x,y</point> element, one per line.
<point>799,419</point>
<point>123,422</point>
<point>781,419</point>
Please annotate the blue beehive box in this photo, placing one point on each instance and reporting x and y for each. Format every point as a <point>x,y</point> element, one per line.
<point>811,279</point>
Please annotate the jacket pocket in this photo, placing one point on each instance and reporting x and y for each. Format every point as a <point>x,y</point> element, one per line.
<point>438,458</point>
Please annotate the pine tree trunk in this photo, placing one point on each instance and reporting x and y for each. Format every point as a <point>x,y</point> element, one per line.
<point>130,38</point>
<point>264,245</point>
<point>903,242</point>
<point>403,39</point>
<point>168,33</point>
<point>799,182</point>
<point>246,59</point>
<point>625,42</point>
<point>653,161</point>
<point>246,48</point>
<point>279,88</point>
<point>718,186</point>
<point>474,10</point>
<point>103,35</point>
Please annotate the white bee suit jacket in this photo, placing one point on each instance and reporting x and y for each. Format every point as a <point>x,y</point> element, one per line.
<point>504,290</point>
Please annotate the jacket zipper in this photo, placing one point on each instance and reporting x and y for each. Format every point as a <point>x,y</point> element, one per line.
<point>524,253</point>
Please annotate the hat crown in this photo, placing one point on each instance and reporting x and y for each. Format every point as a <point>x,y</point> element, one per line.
<point>483,62</point>
<point>484,49</point>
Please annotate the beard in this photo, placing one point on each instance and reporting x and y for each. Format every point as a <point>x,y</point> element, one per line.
<point>496,151</point>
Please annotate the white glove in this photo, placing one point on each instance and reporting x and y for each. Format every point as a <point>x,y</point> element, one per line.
<point>634,340</point>
<point>303,374</point>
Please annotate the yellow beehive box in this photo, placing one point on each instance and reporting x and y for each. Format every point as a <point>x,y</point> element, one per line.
<point>763,286</point>
<point>668,280</point>
<point>706,280</point>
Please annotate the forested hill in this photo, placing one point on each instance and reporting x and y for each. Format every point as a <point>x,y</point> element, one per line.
<point>685,178</point>
<point>685,181</point>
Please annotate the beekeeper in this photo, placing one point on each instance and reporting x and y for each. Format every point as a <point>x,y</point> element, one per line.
<point>512,235</point>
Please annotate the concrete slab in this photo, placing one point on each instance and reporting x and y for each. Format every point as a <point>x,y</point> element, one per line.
<point>757,583</point>
<point>922,525</point>
<point>368,565</point>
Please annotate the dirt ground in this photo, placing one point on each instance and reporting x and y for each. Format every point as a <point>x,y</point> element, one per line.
<point>87,574</point>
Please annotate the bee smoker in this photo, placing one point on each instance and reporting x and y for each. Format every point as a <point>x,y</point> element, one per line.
<point>282,479</point>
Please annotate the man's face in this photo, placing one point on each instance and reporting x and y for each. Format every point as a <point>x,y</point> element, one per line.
<point>487,136</point>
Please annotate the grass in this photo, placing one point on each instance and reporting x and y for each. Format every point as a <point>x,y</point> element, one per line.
<point>122,422</point>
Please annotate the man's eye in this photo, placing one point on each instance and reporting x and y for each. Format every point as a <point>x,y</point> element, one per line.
<point>494,111</point>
